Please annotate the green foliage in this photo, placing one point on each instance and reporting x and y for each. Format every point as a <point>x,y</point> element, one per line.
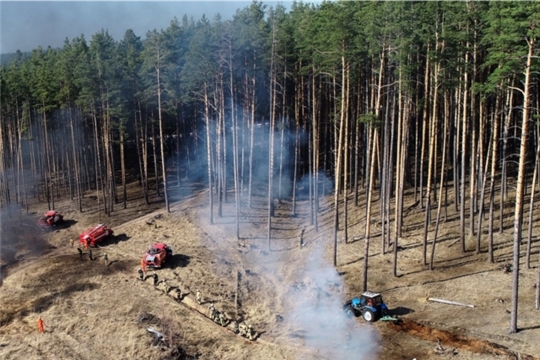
<point>371,120</point>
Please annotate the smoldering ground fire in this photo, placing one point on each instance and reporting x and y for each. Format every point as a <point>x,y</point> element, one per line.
<point>19,237</point>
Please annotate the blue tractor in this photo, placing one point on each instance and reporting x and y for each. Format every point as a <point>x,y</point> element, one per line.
<point>370,305</point>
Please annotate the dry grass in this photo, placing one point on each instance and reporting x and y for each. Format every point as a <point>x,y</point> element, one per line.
<point>92,311</point>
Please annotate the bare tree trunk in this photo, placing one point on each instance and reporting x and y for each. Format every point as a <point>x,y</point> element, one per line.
<point>339,151</point>
<point>273,96</point>
<point>531,204</point>
<point>506,130</point>
<point>518,216</point>
<point>315,152</point>
<point>432,156</point>
<point>443,168</point>
<point>464,131</point>
<point>425,122</point>
<point>494,150</point>
<point>346,154</point>
<point>208,152</point>
<point>483,190</point>
<point>252,135</point>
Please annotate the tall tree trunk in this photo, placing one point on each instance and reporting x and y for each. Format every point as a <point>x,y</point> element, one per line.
<point>520,188</point>
<point>208,152</point>
<point>162,140</point>
<point>494,151</point>
<point>443,169</point>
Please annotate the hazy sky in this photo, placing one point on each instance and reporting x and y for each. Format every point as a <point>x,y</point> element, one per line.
<point>24,25</point>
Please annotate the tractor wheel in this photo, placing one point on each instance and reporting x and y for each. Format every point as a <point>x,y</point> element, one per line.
<point>368,315</point>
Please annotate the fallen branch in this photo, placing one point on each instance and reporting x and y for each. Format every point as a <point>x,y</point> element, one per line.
<point>450,302</point>
<point>453,243</point>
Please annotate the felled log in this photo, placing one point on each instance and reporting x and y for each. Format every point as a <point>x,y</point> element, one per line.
<point>450,302</point>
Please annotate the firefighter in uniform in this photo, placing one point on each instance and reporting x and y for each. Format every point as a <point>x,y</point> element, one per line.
<point>80,252</point>
<point>155,279</point>
<point>250,333</point>
<point>165,287</point>
<point>106,259</point>
<point>222,319</point>
<point>212,311</point>
<point>143,265</point>
<point>243,330</point>
<point>141,274</point>
<point>199,297</point>
<point>71,242</point>
<point>40,325</point>
<point>90,254</point>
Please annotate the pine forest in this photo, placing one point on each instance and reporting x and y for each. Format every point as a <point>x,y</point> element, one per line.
<point>351,101</point>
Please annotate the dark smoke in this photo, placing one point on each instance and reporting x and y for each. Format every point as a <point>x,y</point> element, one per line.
<point>19,238</point>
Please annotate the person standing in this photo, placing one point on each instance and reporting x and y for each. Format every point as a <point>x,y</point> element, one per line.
<point>165,286</point>
<point>40,324</point>
<point>80,252</point>
<point>222,319</point>
<point>199,297</point>
<point>71,242</point>
<point>242,330</point>
<point>143,265</point>
<point>106,259</point>
<point>141,274</point>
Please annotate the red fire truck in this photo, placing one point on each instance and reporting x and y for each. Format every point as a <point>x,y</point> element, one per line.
<point>156,255</point>
<point>49,219</point>
<point>95,235</point>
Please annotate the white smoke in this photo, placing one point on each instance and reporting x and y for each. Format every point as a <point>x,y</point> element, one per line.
<point>316,313</point>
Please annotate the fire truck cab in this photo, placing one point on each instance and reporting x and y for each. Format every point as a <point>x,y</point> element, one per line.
<point>157,254</point>
<point>50,218</point>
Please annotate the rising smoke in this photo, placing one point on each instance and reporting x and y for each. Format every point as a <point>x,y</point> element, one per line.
<point>309,292</point>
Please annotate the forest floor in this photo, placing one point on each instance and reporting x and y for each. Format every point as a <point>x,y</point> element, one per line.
<point>291,294</point>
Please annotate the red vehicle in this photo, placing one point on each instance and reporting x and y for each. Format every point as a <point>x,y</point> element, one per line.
<point>49,219</point>
<point>93,236</point>
<point>156,255</point>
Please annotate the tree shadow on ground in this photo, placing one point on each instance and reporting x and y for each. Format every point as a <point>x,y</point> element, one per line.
<point>400,310</point>
<point>65,224</point>
<point>115,239</point>
<point>178,260</point>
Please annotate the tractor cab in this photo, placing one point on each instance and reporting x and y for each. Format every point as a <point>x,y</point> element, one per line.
<point>372,299</point>
<point>369,304</point>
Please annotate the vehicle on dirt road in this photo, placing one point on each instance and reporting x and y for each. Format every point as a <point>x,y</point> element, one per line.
<point>95,235</point>
<point>156,255</point>
<point>370,305</point>
<point>49,219</point>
